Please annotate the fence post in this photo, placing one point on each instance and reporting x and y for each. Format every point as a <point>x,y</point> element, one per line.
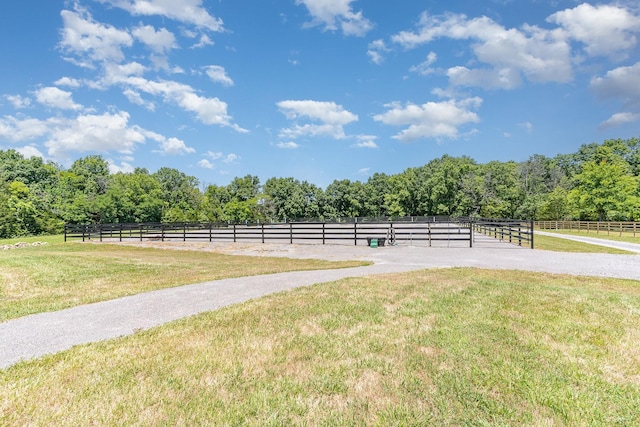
<point>65,233</point>
<point>100,231</point>
<point>355,234</point>
<point>323,236</point>
<point>531,234</point>
<point>210,229</point>
<point>234,233</point>
<point>141,232</point>
<point>470,233</point>
<point>291,233</point>
<point>262,233</point>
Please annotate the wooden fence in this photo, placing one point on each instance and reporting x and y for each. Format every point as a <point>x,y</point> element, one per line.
<point>425,232</point>
<point>599,227</point>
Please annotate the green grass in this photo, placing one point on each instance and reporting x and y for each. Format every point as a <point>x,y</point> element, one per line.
<point>625,237</point>
<point>559,244</point>
<point>61,275</point>
<point>433,347</point>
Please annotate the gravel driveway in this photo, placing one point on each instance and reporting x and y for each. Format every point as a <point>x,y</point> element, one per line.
<point>40,334</point>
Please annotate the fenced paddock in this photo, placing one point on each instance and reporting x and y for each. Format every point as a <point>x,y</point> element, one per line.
<point>432,231</point>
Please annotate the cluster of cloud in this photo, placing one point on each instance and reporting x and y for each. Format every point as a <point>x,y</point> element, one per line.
<point>500,58</point>
<point>103,49</point>
<point>327,119</point>
<point>212,157</point>
<point>103,133</point>
<point>504,58</point>
<point>337,14</point>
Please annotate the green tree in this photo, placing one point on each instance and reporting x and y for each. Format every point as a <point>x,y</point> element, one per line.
<point>605,189</point>
<point>215,199</point>
<point>132,197</point>
<point>182,200</point>
<point>501,194</point>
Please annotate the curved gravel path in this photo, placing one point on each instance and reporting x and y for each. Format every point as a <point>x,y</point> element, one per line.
<point>40,334</point>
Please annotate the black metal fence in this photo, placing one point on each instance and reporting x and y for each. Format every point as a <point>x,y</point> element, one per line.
<point>425,231</point>
<point>507,230</point>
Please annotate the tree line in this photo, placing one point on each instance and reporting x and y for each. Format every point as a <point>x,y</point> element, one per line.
<point>598,182</point>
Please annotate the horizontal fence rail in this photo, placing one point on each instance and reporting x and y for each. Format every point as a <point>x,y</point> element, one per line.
<point>425,232</point>
<point>620,228</point>
<point>512,231</point>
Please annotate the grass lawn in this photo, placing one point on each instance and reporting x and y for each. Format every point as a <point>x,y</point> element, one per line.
<point>433,347</point>
<point>625,237</point>
<point>60,275</point>
<point>559,244</point>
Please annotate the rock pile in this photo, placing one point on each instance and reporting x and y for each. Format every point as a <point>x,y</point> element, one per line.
<point>21,245</point>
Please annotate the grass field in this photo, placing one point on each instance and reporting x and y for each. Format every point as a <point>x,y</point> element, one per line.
<point>433,347</point>
<point>564,245</point>
<point>60,275</point>
<point>625,237</point>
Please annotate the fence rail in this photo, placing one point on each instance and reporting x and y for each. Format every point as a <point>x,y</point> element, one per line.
<point>512,231</point>
<point>604,227</point>
<point>460,231</point>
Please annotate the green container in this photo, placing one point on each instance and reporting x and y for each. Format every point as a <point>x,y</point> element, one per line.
<point>374,243</point>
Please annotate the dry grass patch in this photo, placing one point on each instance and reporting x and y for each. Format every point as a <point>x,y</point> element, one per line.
<point>61,275</point>
<point>434,347</point>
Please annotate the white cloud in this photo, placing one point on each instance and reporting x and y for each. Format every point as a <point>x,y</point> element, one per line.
<point>29,151</point>
<point>337,14</point>
<point>123,167</point>
<point>209,164</point>
<point>424,68</point>
<point>90,40</point>
<point>365,141</point>
<point>505,78</point>
<point>432,119</point>
<point>210,111</point>
<point>18,101</point>
<point>206,164</point>
<point>218,74</point>
<point>101,133</point>
<point>174,146</point>
<point>605,30</point>
<point>376,51</point>
<point>331,115</point>
<point>364,171</point>
<point>620,119</point>
<point>185,11</point>
<point>135,98</point>
<point>622,82</point>
<point>161,41</point>
<point>205,40</point>
<point>68,81</point>
<point>287,145</point>
<point>231,158</point>
<point>539,55</point>
<point>56,98</point>
<point>22,129</point>
<point>328,112</point>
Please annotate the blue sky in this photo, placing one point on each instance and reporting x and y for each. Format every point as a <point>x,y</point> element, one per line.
<point>314,89</point>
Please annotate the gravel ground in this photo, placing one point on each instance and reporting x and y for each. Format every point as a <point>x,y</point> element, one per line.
<point>41,334</point>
